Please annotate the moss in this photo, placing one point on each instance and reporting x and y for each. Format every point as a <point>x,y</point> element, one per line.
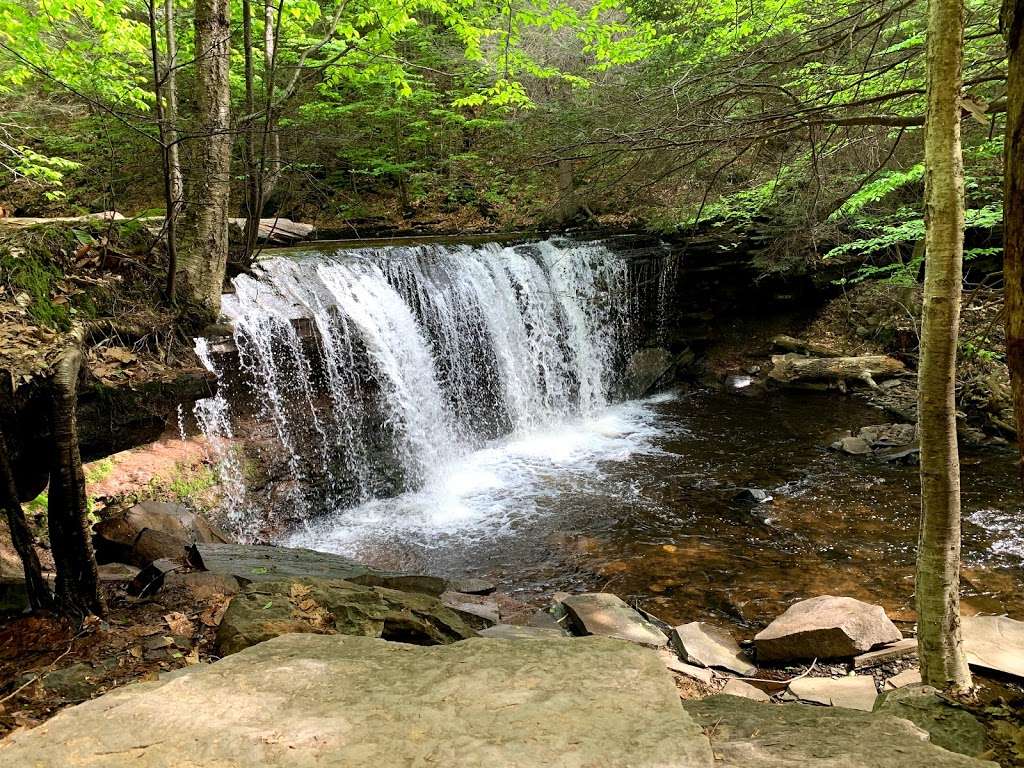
<point>28,274</point>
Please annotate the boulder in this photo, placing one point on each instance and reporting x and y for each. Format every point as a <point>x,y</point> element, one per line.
<point>825,627</point>
<point>264,563</point>
<point>854,446</point>
<point>152,530</point>
<point>950,726</point>
<point>856,692</point>
<point>203,585</point>
<point>995,643</point>
<point>708,646</point>
<point>753,496</point>
<point>749,734</point>
<point>544,620</point>
<point>309,700</point>
<point>267,609</point>
<point>602,613</point>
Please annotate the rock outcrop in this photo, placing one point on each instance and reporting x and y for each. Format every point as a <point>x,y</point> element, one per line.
<point>268,609</point>
<point>748,734</point>
<point>152,530</point>
<point>304,700</point>
<point>948,725</point>
<point>825,627</point>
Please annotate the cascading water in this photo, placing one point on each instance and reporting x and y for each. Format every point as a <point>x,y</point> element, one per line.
<point>378,372</point>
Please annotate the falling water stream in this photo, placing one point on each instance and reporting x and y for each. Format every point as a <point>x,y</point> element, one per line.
<point>459,409</point>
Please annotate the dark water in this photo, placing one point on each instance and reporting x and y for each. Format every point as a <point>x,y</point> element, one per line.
<point>639,501</point>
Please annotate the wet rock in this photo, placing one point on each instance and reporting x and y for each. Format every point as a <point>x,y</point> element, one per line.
<point>304,700</point>
<point>994,642</point>
<point>950,726</point>
<point>857,692</point>
<point>267,609</point>
<point>602,613</point>
<point>825,627</point>
<point>478,611</point>
<point>13,595</point>
<point>249,563</point>
<point>854,446</point>
<point>515,632</point>
<point>744,690</point>
<point>749,734</point>
<point>903,679</point>
<point>115,572</point>
<point>709,646</point>
<point>753,496</point>
<point>471,586</point>
<point>904,647</point>
<point>645,370</point>
<point>152,530</point>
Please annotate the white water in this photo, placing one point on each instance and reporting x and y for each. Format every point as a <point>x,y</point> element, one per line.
<point>424,386</point>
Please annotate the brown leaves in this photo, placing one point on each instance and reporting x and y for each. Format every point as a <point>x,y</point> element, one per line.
<point>214,612</point>
<point>179,624</point>
<point>307,609</point>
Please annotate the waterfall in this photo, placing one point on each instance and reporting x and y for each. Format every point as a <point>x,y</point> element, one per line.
<point>364,373</point>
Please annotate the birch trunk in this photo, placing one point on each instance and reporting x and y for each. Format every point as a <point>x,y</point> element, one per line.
<point>940,647</point>
<point>1012,21</point>
<point>204,242</point>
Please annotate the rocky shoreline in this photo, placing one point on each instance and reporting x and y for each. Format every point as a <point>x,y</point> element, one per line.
<point>838,661</point>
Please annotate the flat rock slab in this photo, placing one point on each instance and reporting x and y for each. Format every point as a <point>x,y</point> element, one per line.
<point>267,609</point>
<point>825,627</point>
<point>948,725</point>
<point>748,734</point>
<point>744,690</point>
<point>903,679</point>
<point>904,647</point>
<point>262,563</point>
<point>994,642</point>
<point>674,664</point>
<point>605,614</point>
<point>308,700</point>
<point>478,610</point>
<point>849,692</point>
<point>709,646</point>
<point>516,632</point>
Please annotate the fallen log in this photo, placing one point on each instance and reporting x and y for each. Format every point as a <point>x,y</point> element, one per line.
<point>803,347</point>
<point>796,369</point>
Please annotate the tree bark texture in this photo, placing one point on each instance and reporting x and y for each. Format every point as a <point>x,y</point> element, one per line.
<point>204,242</point>
<point>940,646</point>
<point>78,588</point>
<point>1012,21</point>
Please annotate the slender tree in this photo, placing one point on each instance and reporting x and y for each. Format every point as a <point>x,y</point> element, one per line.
<point>1012,21</point>
<point>940,647</point>
<point>204,238</point>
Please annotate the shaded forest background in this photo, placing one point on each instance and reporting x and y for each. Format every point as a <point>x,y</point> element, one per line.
<point>802,120</point>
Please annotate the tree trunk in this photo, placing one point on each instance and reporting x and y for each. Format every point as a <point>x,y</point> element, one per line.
<point>272,139</point>
<point>39,595</point>
<point>177,183</point>
<point>253,192</point>
<point>204,242</point>
<point>940,647</point>
<point>1012,21</point>
<point>78,587</point>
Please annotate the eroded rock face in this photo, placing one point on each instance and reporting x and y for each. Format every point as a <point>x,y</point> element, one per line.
<point>749,734</point>
<point>825,627</point>
<point>305,700</point>
<point>709,646</point>
<point>268,609</point>
<point>646,368</point>
<point>602,613</point>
